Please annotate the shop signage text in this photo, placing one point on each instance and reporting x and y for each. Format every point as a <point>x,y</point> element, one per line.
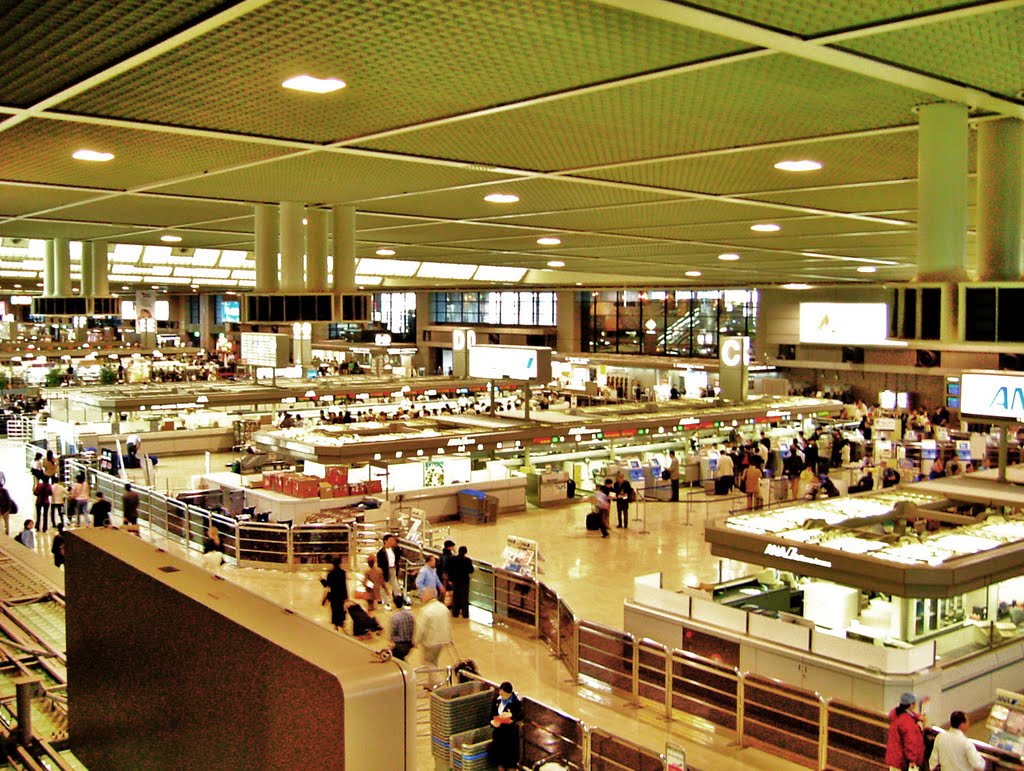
<point>791,553</point>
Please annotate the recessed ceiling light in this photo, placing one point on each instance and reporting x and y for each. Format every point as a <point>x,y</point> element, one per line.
<point>693,273</point>
<point>765,227</point>
<point>501,198</point>
<point>556,264</point>
<point>579,283</point>
<point>796,286</point>
<point>385,252</point>
<point>549,241</point>
<point>314,85</point>
<point>124,287</point>
<point>170,239</point>
<point>91,155</point>
<point>865,269</point>
<point>728,257</point>
<point>804,165</point>
<point>17,286</point>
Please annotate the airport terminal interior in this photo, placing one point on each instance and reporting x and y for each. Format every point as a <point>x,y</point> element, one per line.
<point>307,273</point>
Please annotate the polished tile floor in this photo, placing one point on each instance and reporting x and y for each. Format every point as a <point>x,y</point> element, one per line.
<point>592,574</point>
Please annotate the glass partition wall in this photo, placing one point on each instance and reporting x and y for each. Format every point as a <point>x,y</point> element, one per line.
<point>685,323</point>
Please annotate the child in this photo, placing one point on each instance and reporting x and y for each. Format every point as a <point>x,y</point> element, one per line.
<point>373,582</point>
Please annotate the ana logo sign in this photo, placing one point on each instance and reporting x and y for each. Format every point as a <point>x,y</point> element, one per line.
<point>1008,399</point>
<point>994,395</point>
<point>735,350</point>
<point>791,553</point>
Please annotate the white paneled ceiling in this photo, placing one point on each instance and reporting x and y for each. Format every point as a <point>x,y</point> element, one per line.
<point>641,133</point>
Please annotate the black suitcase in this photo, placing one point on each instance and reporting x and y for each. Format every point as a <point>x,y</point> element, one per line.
<point>722,486</point>
<point>570,488</point>
<point>593,521</point>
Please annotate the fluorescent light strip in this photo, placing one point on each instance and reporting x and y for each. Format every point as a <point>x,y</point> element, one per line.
<point>402,268</point>
<point>499,273</point>
<point>453,271</point>
<point>369,280</point>
<point>156,253</point>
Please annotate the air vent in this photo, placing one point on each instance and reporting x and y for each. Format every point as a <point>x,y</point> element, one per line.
<point>929,359</point>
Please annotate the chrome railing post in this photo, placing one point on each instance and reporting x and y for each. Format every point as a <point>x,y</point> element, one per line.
<point>585,750</point>
<point>739,705</point>
<point>668,682</point>
<point>635,678</point>
<point>823,716</point>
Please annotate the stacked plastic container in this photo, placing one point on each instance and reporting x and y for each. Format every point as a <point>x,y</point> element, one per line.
<point>455,710</point>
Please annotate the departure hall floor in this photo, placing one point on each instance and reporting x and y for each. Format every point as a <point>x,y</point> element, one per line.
<point>593,574</point>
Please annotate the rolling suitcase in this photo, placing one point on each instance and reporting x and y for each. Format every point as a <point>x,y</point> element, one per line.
<point>593,521</point>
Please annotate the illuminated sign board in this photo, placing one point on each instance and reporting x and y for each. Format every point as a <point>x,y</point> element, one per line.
<point>510,362</point>
<point>992,395</point>
<point>266,350</point>
<point>845,324</point>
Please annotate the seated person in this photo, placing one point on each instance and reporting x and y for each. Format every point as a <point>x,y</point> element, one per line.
<point>362,622</point>
<point>822,485</point>
<point>865,483</point>
<point>890,477</point>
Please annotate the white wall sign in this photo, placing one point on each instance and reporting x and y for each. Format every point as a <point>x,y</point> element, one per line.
<point>266,350</point>
<point>735,350</point>
<point>733,357</point>
<point>845,323</point>
<point>510,362</point>
<point>992,395</point>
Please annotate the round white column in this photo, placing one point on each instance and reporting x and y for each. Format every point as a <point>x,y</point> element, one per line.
<point>293,247</point>
<point>316,250</point>
<point>1000,199</point>
<point>88,270</point>
<point>100,279</point>
<point>49,270</point>
<point>265,254</point>
<point>344,248</point>
<point>942,193</point>
<point>61,267</point>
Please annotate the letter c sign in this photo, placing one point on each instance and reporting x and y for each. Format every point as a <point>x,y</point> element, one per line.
<point>735,351</point>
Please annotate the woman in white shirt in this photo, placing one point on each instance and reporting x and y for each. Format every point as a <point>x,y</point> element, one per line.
<point>79,502</point>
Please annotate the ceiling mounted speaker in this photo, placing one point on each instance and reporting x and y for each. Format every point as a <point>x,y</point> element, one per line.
<point>929,358</point>
<point>181,250</point>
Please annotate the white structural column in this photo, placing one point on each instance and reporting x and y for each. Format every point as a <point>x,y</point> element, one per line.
<point>88,270</point>
<point>316,250</point>
<point>942,193</point>
<point>49,270</point>
<point>266,248</point>
<point>344,248</point>
<point>1000,199</point>
<point>568,310</point>
<point>293,247</point>
<point>61,267</point>
<point>100,279</point>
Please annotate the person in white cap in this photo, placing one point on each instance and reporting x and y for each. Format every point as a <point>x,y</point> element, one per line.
<point>954,750</point>
<point>905,749</point>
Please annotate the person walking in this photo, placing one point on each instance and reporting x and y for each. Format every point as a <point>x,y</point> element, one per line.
<point>673,475</point>
<point>130,506</point>
<point>602,505</point>
<point>373,583</point>
<point>460,569</point>
<point>624,495</point>
<point>57,547</point>
<point>58,497</point>
<point>78,505</point>
<point>335,585</point>
<point>427,578</point>
<point>42,491</point>
<point>388,559</point>
<point>443,563</point>
<point>953,751</point>
<point>403,629</point>
<point>433,628</point>
<point>7,507</point>
<point>101,511</point>
<point>905,748</point>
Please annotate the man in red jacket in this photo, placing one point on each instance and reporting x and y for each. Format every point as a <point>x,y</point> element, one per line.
<point>905,750</point>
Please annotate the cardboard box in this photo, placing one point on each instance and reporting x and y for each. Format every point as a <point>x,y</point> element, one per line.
<point>374,486</point>
<point>326,490</point>
<point>336,475</point>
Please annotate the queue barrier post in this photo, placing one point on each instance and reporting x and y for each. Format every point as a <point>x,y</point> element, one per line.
<point>823,721</point>
<point>740,682</point>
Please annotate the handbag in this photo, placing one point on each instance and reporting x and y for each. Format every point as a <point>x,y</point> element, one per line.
<point>666,475</point>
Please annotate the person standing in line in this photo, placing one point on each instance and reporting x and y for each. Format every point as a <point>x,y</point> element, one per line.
<point>79,502</point>
<point>953,751</point>
<point>101,511</point>
<point>506,714</point>
<point>459,571</point>
<point>42,492</point>
<point>58,497</point>
<point>433,628</point>
<point>27,537</point>
<point>443,562</point>
<point>335,585</point>
<point>36,469</point>
<point>752,482</point>
<point>387,560</point>
<point>427,578</point>
<point>57,547</point>
<point>130,505</point>
<point>403,629</point>
<point>624,495</point>
<point>905,748</point>
<point>793,466</point>
<point>673,474</point>
<point>725,473</point>
<point>50,467</point>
